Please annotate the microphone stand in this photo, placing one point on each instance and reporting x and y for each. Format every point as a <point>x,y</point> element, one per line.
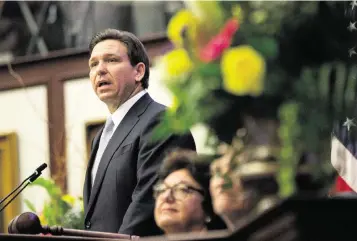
<point>14,196</point>
<point>17,188</point>
<point>29,180</point>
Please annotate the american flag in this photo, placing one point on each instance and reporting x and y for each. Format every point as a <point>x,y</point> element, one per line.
<point>344,155</point>
<point>344,141</point>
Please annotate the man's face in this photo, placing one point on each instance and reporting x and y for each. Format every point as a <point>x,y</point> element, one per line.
<point>113,78</point>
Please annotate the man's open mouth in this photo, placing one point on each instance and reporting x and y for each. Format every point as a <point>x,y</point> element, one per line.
<point>103,83</point>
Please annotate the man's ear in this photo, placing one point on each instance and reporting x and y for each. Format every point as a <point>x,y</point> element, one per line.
<point>140,71</point>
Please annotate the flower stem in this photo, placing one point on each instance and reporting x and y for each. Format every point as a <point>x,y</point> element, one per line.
<point>289,132</point>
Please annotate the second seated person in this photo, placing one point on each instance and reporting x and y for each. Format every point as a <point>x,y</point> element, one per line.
<point>230,200</point>
<point>124,160</point>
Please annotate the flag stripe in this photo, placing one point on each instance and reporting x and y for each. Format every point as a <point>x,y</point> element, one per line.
<point>344,163</point>
<point>342,186</point>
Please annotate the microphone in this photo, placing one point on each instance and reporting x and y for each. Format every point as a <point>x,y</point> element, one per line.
<point>37,172</point>
<point>29,180</point>
<point>29,223</point>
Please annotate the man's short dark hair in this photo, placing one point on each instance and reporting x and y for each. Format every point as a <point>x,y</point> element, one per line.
<point>135,48</point>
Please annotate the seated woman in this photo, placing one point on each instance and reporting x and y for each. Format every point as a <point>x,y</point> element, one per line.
<point>183,202</point>
<point>229,199</point>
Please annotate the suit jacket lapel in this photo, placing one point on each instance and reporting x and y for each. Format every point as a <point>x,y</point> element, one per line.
<point>122,131</point>
<point>87,182</point>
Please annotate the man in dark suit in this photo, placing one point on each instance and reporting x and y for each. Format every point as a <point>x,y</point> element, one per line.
<point>124,160</point>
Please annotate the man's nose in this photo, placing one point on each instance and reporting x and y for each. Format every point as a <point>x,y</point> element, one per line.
<point>101,68</point>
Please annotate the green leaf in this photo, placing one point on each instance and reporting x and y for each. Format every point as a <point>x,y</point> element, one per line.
<point>50,186</point>
<point>209,70</point>
<point>267,46</point>
<point>56,211</point>
<point>30,205</point>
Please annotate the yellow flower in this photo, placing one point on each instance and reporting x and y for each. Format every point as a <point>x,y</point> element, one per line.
<point>42,219</point>
<point>210,13</point>
<point>176,64</point>
<point>182,19</point>
<point>243,71</point>
<point>69,199</point>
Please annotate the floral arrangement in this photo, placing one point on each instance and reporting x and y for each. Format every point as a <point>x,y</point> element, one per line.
<point>61,209</point>
<point>234,63</point>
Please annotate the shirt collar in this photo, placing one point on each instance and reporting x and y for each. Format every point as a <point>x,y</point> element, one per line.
<point>120,113</point>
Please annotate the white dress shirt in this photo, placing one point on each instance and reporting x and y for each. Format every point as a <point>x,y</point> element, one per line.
<point>117,117</point>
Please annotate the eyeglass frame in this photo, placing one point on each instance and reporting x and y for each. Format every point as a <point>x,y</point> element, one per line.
<point>189,187</point>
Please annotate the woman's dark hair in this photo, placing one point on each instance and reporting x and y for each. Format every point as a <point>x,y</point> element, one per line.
<point>200,171</point>
<point>135,48</point>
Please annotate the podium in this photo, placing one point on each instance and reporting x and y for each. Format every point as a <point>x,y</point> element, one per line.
<point>303,219</point>
<point>17,237</point>
<point>295,219</point>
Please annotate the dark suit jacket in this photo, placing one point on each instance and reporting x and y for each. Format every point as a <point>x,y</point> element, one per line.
<point>121,199</point>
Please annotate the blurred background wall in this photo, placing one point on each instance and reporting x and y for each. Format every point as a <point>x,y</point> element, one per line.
<point>30,27</point>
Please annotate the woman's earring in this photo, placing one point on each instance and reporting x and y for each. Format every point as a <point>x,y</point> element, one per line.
<point>208,219</point>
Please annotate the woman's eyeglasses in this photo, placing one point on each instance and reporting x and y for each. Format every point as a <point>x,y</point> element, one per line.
<point>179,191</point>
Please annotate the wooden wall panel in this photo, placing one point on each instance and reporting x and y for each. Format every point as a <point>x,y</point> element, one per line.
<point>9,176</point>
